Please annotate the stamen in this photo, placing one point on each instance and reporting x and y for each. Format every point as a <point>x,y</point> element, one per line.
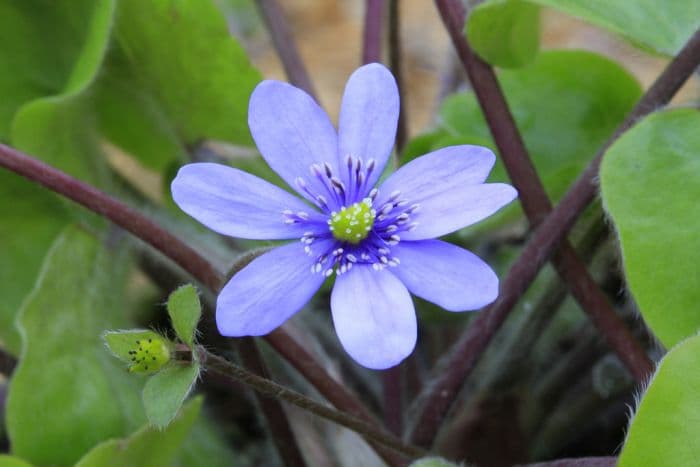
<point>329,170</point>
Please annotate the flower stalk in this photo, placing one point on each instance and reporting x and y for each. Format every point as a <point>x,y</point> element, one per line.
<point>175,249</point>
<point>546,238</point>
<point>272,389</point>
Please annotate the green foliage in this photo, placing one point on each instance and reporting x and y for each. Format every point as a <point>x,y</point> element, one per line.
<point>433,462</point>
<point>64,375</point>
<point>185,311</point>
<point>165,392</point>
<point>663,26</point>
<point>57,126</point>
<point>174,81</point>
<point>148,447</point>
<point>650,181</point>
<point>11,461</point>
<point>49,46</point>
<point>171,76</point>
<point>566,103</point>
<point>666,427</point>
<point>505,33</point>
<point>206,446</point>
<point>24,241</point>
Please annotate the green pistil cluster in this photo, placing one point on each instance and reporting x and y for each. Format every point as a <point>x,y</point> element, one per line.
<point>149,355</point>
<point>353,223</point>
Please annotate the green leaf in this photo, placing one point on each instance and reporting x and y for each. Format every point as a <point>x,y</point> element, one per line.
<point>663,26</point>
<point>185,311</point>
<point>148,447</point>
<point>81,393</point>
<point>650,180</point>
<point>165,392</point>
<point>58,128</point>
<point>175,77</point>
<point>432,462</point>
<point>30,224</point>
<point>666,428</point>
<point>42,42</point>
<point>206,446</point>
<point>566,104</point>
<point>11,461</point>
<point>505,33</point>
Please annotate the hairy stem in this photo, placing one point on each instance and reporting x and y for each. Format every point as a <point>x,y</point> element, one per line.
<point>393,398</point>
<point>114,210</point>
<point>535,201</point>
<point>395,53</point>
<point>548,236</point>
<point>270,388</point>
<point>372,37</point>
<point>337,394</point>
<point>283,40</point>
<point>148,231</point>
<point>273,413</point>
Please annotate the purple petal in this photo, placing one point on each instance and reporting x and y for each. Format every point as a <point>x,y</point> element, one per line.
<point>442,273</point>
<point>292,132</point>
<point>447,184</point>
<point>235,203</point>
<point>368,117</point>
<point>268,291</point>
<point>374,317</point>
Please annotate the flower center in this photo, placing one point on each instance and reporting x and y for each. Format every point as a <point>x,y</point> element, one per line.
<point>353,223</point>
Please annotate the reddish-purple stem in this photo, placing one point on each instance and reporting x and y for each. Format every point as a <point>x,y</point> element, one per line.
<point>372,52</point>
<point>336,393</point>
<point>393,398</point>
<point>273,413</point>
<point>116,211</point>
<point>372,36</point>
<point>283,40</point>
<point>395,65</point>
<point>172,247</point>
<point>162,240</point>
<point>535,201</point>
<point>438,397</point>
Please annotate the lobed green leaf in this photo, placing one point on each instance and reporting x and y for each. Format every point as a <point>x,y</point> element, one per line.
<point>666,427</point>
<point>165,392</point>
<point>505,33</point>
<point>64,376</point>
<point>650,180</point>
<point>148,447</point>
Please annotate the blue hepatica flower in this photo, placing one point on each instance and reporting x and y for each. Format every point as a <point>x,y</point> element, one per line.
<point>379,241</point>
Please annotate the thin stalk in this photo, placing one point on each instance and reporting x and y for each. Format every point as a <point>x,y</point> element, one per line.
<point>393,398</point>
<point>114,210</point>
<point>337,394</point>
<point>273,413</point>
<point>270,388</point>
<point>464,355</point>
<point>283,40</point>
<point>395,59</point>
<point>140,226</point>
<point>372,37</point>
<point>535,201</point>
